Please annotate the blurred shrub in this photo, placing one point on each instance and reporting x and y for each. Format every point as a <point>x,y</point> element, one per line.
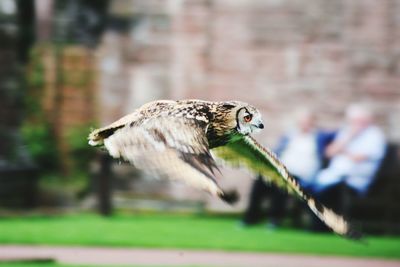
<point>36,130</point>
<point>81,153</point>
<point>35,83</point>
<point>41,145</point>
<point>35,76</point>
<point>59,149</point>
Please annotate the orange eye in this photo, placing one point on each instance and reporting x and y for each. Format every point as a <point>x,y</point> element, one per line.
<point>248,118</point>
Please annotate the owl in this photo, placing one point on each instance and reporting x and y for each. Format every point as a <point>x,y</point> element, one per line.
<point>181,140</point>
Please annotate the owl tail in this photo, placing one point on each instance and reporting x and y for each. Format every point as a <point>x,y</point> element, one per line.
<point>97,136</point>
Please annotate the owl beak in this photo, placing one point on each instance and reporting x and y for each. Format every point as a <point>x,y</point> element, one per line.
<point>261,126</point>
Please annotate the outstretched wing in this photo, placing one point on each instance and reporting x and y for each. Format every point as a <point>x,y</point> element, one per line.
<point>248,153</point>
<point>175,148</point>
<point>152,109</point>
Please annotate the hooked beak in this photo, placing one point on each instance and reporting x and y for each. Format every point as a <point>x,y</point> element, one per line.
<point>258,127</point>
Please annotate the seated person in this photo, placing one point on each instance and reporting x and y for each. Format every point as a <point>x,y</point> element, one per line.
<point>301,150</point>
<point>355,156</point>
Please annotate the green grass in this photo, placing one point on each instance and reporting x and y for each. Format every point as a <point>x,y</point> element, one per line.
<point>180,231</point>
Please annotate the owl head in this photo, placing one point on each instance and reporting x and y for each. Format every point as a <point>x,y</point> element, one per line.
<point>247,119</point>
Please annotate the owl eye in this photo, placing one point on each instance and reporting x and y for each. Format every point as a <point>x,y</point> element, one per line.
<point>248,117</point>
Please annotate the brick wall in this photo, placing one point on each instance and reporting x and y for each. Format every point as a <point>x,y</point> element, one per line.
<point>280,55</point>
<point>277,55</point>
<point>67,94</point>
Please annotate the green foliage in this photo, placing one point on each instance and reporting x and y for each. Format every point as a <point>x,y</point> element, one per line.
<point>184,231</point>
<point>41,145</point>
<point>81,152</point>
<point>39,134</point>
<point>81,155</point>
<point>36,130</point>
<point>35,77</point>
<point>35,81</point>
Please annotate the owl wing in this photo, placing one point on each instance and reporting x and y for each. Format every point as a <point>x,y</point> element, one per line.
<point>175,148</point>
<point>246,152</point>
<point>97,136</point>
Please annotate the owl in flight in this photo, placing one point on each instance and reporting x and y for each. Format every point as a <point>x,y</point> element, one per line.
<point>179,140</point>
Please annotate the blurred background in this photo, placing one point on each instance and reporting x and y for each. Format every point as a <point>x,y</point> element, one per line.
<point>67,67</point>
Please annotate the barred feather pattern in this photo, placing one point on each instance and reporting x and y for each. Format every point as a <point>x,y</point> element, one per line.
<point>173,139</point>
<point>249,153</point>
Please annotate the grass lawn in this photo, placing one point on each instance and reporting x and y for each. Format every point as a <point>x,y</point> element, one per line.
<point>183,231</point>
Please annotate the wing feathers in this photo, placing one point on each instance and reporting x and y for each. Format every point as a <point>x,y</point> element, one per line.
<point>247,152</point>
<point>168,138</point>
<point>167,147</point>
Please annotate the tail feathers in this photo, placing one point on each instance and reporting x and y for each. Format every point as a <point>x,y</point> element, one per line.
<point>96,137</point>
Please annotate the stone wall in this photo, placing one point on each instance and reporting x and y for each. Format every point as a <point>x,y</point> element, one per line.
<point>279,55</point>
<point>67,93</point>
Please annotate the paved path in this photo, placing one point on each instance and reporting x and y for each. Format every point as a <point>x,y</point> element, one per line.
<point>169,257</point>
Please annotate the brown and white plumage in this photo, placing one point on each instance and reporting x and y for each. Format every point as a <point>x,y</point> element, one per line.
<point>175,139</point>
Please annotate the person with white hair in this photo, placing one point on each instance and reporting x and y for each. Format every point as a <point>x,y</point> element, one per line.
<point>304,142</point>
<point>354,158</point>
<point>355,154</point>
